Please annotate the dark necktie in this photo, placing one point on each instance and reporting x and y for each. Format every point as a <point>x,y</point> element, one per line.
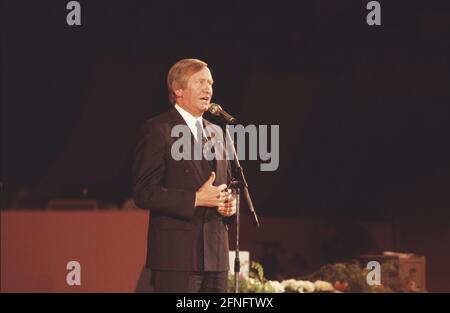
<point>199,126</point>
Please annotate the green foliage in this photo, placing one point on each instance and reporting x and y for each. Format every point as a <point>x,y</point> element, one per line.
<point>257,271</point>
<point>255,283</point>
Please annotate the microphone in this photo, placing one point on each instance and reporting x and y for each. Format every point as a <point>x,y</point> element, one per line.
<point>217,110</point>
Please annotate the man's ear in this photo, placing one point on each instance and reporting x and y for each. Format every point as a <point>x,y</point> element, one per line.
<point>178,92</point>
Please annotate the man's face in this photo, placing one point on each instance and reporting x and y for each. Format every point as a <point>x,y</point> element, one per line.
<point>196,96</point>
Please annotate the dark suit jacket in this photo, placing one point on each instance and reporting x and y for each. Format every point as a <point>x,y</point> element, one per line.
<point>180,237</point>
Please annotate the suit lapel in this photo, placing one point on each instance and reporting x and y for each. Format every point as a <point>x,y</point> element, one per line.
<point>219,147</point>
<point>202,167</point>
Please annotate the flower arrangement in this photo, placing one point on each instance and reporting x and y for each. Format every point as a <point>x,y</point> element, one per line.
<point>345,277</point>
<point>352,277</point>
<point>305,286</point>
<point>334,278</point>
<point>256,282</point>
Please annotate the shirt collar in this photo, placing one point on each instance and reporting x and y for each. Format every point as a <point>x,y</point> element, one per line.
<point>189,119</point>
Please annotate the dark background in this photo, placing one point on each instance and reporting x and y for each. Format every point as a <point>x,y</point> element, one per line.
<point>364,111</point>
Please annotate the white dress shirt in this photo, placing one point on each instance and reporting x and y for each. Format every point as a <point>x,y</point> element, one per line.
<point>190,120</point>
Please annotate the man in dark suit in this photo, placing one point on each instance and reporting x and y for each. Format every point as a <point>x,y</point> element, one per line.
<point>189,204</point>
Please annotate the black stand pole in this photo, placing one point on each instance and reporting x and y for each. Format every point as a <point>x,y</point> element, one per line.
<point>237,262</point>
<point>241,179</point>
<point>238,183</point>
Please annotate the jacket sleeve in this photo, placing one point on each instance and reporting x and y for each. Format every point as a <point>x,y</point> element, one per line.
<point>149,169</point>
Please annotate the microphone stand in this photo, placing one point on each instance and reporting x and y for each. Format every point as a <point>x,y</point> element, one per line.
<point>239,183</point>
